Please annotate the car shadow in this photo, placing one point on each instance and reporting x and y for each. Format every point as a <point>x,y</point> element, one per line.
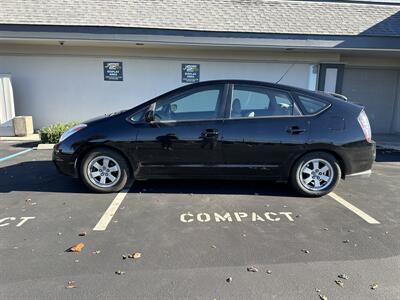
<point>37,176</point>
<point>42,176</point>
<point>216,187</point>
<point>25,144</point>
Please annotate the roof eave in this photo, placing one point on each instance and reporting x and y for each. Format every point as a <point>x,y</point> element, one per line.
<point>37,33</point>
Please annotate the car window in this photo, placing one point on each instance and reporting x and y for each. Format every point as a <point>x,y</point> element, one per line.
<point>311,105</point>
<point>256,101</point>
<point>135,118</point>
<point>201,103</point>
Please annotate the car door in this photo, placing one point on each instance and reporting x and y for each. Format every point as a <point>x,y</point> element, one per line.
<point>185,137</point>
<point>263,129</point>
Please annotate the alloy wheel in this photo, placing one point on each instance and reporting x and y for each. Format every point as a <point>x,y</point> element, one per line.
<point>104,171</point>
<point>316,174</point>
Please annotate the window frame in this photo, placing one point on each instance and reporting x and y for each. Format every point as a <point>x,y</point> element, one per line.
<point>303,110</point>
<point>227,114</point>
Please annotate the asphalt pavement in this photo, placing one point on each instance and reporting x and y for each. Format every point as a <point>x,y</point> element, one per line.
<point>197,239</point>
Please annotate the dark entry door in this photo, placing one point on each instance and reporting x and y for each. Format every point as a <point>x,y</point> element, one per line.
<point>185,138</point>
<point>263,130</point>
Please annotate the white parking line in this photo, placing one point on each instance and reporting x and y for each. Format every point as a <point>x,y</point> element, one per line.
<point>354,209</point>
<point>110,212</point>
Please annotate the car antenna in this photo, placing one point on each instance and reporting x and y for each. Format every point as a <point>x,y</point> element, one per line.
<point>284,74</point>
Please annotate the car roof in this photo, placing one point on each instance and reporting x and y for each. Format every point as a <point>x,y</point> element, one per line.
<point>264,83</point>
<point>316,94</point>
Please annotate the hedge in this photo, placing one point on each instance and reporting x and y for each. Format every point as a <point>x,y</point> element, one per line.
<point>51,134</point>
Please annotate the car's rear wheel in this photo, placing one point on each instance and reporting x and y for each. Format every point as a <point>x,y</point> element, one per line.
<point>104,170</point>
<point>315,174</point>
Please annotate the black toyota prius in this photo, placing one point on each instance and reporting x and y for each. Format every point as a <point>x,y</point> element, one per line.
<point>225,129</point>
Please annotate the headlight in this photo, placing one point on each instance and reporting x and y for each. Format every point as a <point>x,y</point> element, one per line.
<point>71,131</point>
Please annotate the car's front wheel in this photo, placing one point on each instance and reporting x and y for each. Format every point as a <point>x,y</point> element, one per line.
<point>104,170</point>
<point>315,174</point>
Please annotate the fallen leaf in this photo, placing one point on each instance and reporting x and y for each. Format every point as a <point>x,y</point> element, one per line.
<point>252,269</point>
<point>343,276</point>
<point>339,282</point>
<point>135,255</point>
<point>76,248</point>
<point>70,285</point>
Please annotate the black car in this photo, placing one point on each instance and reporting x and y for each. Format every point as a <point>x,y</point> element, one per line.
<point>225,129</point>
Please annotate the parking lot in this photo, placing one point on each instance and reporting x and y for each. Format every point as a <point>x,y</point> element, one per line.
<point>198,239</point>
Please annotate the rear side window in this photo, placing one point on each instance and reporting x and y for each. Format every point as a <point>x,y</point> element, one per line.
<point>311,105</point>
<point>249,101</point>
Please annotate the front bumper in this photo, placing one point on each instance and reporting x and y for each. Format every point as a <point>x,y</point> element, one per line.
<point>65,163</point>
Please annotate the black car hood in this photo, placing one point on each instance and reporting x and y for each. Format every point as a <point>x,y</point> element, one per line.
<point>103,117</point>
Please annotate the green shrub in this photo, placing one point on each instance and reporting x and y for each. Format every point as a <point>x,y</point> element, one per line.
<point>51,134</point>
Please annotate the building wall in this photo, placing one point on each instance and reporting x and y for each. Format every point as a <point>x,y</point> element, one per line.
<point>63,87</point>
<point>56,83</point>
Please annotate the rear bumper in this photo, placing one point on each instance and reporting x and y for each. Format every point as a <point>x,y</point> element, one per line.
<point>359,159</point>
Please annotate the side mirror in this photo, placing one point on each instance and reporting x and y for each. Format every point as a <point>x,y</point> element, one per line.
<point>149,116</point>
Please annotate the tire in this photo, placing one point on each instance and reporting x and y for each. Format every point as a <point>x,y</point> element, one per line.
<point>112,176</point>
<point>315,174</point>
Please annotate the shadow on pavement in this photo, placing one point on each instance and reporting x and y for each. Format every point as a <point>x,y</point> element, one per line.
<point>25,144</point>
<point>231,187</point>
<point>37,176</point>
<point>42,176</point>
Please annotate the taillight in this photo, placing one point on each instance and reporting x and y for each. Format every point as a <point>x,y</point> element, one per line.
<point>364,123</point>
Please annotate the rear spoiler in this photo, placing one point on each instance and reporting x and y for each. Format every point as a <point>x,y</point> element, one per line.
<point>339,96</point>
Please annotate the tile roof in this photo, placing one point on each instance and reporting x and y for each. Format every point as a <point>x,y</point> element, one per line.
<point>254,16</point>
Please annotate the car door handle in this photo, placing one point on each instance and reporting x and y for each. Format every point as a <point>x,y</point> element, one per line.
<point>295,130</point>
<point>210,133</point>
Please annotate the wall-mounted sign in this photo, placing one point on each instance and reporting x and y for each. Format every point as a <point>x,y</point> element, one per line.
<point>190,73</point>
<point>113,71</point>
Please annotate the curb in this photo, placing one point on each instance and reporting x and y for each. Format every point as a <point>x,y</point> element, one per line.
<point>29,138</point>
<point>45,147</point>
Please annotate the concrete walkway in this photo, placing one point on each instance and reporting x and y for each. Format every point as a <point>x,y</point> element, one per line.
<point>32,137</point>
